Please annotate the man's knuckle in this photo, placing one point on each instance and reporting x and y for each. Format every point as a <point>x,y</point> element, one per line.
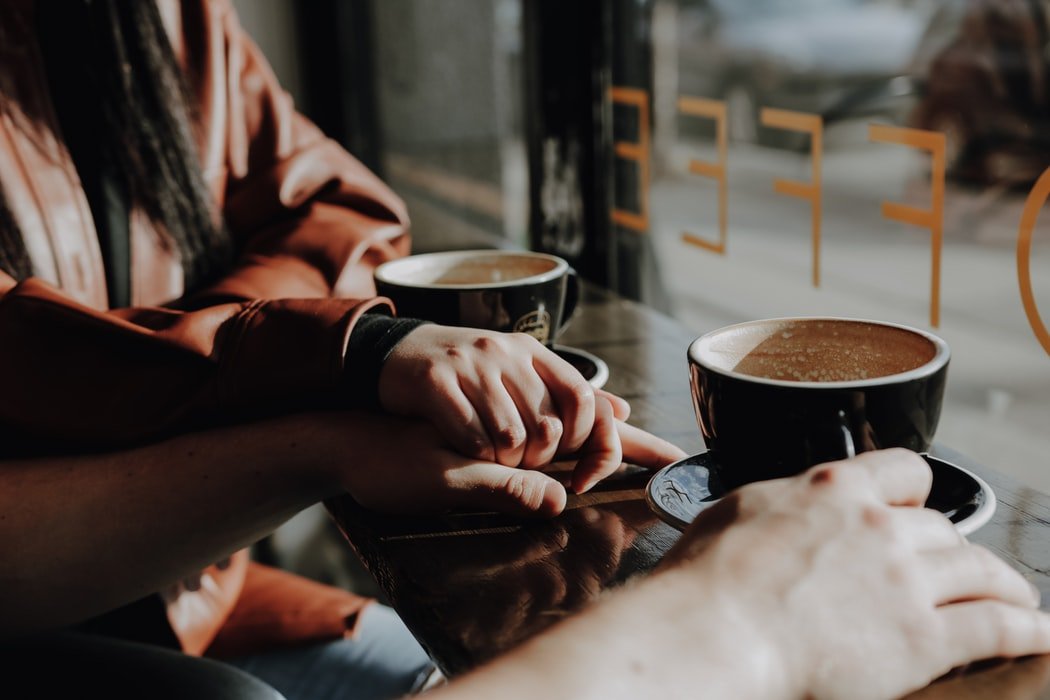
<point>487,343</point>
<point>476,444</point>
<point>525,340</point>
<point>549,429</point>
<point>510,436</point>
<point>432,371</point>
<point>876,517</point>
<point>835,473</point>
<point>581,392</point>
<point>823,475</point>
<point>1005,627</point>
<point>846,480</point>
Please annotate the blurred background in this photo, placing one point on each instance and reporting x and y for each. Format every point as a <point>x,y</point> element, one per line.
<point>526,123</point>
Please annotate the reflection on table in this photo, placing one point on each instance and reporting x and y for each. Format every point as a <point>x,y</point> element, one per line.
<point>471,586</point>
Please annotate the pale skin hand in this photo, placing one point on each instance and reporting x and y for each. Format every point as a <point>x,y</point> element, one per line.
<point>828,585</point>
<point>856,592</point>
<point>502,397</point>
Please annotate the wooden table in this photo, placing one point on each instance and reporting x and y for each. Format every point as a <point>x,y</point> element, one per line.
<point>471,586</point>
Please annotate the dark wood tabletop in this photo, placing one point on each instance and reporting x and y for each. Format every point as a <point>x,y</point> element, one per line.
<point>471,586</point>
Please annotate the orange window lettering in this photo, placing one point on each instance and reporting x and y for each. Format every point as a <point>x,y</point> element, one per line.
<point>1032,207</point>
<point>813,125</point>
<point>716,110</point>
<point>932,218</point>
<point>637,151</point>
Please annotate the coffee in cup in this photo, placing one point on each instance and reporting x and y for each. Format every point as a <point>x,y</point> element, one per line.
<point>777,396</point>
<point>514,291</point>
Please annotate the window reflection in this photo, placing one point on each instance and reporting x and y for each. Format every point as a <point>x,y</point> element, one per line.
<point>836,58</point>
<point>974,71</point>
<point>982,67</point>
<point>449,87</point>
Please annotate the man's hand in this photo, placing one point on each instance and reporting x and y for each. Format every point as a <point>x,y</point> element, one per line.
<point>848,588</point>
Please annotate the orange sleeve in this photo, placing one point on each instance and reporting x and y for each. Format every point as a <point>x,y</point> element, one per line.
<point>74,375</point>
<point>307,218</point>
<point>309,222</point>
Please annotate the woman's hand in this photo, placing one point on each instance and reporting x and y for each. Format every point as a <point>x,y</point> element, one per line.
<point>845,588</point>
<point>507,399</point>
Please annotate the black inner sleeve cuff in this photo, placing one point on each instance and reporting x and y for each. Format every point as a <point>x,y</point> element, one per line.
<point>374,337</point>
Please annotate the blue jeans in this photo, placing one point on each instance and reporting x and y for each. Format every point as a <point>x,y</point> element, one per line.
<point>382,662</point>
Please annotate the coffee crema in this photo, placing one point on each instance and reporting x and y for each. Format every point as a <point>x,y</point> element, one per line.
<point>482,269</point>
<point>819,350</point>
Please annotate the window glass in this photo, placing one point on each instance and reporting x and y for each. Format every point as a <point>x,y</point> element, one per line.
<point>449,86</point>
<point>859,158</point>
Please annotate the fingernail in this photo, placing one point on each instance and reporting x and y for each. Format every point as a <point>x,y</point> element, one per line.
<point>1037,595</point>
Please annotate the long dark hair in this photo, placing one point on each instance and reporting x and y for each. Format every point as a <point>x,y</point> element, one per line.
<point>147,125</point>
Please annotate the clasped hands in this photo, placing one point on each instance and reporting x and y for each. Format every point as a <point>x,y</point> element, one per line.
<point>502,406</point>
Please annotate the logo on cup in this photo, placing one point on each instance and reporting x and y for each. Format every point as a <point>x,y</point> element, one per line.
<point>535,323</point>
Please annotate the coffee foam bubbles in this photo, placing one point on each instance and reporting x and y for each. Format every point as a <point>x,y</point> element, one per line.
<point>818,350</point>
<point>466,269</point>
<point>486,270</point>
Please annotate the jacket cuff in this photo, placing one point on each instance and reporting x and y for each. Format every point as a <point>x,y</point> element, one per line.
<point>374,337</point>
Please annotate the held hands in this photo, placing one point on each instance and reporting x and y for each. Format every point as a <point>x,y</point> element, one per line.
<point>504,398</point>
<point>846,589</point>
<point>403,465</point>
<point>835,583</point>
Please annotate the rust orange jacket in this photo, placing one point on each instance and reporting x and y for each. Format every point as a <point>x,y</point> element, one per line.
<point>309,223</point>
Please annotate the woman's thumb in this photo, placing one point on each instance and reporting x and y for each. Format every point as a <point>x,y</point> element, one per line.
<point>487,486</point>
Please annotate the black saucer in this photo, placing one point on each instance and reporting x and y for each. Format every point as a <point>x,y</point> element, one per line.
<point>681,491</point>
<point>593,368</point>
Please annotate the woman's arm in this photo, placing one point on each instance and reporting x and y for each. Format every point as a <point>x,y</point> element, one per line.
<point>81,535</point>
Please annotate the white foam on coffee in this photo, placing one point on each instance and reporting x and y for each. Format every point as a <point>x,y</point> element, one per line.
<point>461,269</point>
<point>725,350</point>
<point>848,358</point>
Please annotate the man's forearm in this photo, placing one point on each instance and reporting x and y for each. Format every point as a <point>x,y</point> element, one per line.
<point>664,637</point>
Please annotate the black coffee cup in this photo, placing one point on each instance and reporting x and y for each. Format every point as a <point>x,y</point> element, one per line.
<point>512,291</point>
<point>777,396</point>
